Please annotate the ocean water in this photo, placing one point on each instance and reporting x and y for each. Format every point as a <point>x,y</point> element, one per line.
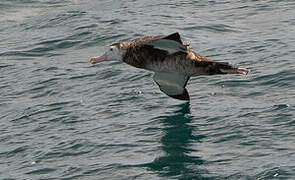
<point>63,118</point>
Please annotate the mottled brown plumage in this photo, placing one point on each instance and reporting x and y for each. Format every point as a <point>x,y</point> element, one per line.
<point>140,55</point>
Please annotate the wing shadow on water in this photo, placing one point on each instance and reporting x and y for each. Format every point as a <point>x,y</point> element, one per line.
<point>177,161</point>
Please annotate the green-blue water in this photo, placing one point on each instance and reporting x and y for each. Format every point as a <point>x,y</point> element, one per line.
<point>63,118</point>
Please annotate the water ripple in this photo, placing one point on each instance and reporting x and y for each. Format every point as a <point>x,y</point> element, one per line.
<point>213,28</point>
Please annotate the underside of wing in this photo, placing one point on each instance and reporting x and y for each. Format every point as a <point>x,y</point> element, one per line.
<point>172,84</point>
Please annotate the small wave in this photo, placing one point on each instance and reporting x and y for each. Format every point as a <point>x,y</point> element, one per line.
<point>42,171</point>
<point>282,172</point>
<point>86,26</point>
<point>212,28</point>
<point>15,151</point>
<point>284,78</point>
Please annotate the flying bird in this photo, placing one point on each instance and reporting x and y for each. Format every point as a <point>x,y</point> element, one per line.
<point>171,60</point>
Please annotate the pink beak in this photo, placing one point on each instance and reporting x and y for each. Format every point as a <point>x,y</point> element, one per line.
<point>243,71</point>
<point>236,71</point>
<point>97,59</point>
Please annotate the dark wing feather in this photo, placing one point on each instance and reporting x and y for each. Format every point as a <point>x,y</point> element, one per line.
<point>174,37</point>
<point>171,44</point>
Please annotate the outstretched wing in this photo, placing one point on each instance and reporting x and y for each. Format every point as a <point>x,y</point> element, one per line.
<point>172,84</point>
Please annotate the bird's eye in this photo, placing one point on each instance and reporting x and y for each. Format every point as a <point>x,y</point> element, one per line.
<point>111,49</point>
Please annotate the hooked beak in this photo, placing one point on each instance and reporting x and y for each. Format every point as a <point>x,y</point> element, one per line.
<point>243,71</point>
<point>97,59</point>
<point>236,71</point>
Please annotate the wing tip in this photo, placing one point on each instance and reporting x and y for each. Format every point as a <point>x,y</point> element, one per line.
<point>174,36</point>
<point>184,96</point>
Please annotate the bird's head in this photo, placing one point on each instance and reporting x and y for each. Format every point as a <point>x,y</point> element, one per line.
<point>113,53</point>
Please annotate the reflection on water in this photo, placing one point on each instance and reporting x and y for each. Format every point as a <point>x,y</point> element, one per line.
<point>177,160</point>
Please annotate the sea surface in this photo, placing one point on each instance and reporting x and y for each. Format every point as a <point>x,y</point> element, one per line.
<point>64,118</point>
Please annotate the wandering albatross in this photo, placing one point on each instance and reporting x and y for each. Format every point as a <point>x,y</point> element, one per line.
<point>170,58</point>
